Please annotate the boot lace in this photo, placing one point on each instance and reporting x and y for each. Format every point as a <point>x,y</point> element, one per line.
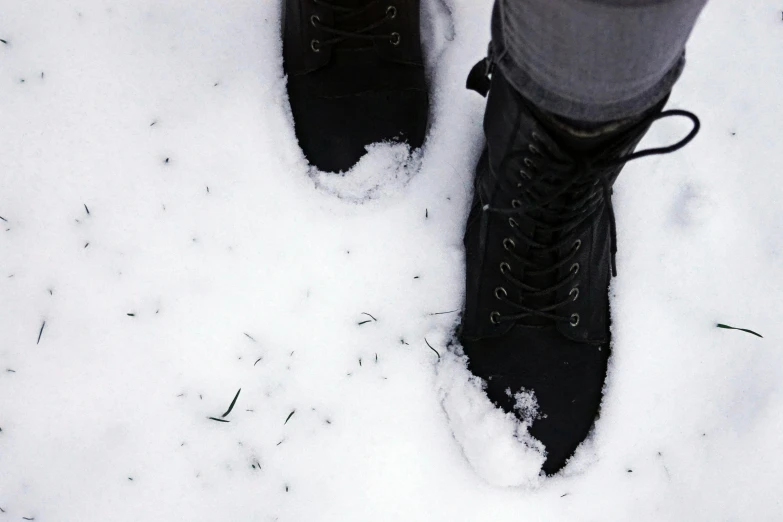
<point>343,18</point>
<point>561,196</point>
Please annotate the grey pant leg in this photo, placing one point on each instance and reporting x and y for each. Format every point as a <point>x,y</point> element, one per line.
<point>593,60</point>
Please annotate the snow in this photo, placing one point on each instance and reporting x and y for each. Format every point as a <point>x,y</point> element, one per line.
<point>314,293</point>
<point>498,448</point>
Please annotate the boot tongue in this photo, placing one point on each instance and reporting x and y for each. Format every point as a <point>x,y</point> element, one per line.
<point>546,280</point>
<point>576,141</point>
<point>503,135</point>
<point>348,21</point>
<point>583,138</point>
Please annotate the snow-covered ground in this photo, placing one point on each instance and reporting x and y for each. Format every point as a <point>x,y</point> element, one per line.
<point>164,244</point>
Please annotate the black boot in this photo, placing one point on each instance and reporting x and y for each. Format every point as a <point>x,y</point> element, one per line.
<point>355,76</point>
<point>540,244</point>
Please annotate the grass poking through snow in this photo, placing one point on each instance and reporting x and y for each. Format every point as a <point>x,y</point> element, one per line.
<point>231,406</point>
<point>727,327</point>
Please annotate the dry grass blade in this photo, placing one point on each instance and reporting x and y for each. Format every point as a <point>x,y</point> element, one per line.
<point>431,348</point>
<point>231,407</point>
<point>727,327</point>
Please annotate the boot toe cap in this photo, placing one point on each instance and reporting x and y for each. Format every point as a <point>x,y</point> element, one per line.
<point>566,378</point>
<point>335,131</point>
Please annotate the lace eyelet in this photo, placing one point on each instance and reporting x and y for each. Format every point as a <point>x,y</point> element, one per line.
<point>574,319</point>
<point>391,12</point>
<point>509,244</point>
<point>504,267</point>
<point>512,223</point>
<point>494,317</point>
<point>534,150</point>
<point>574,292</point>
<point>528,162</point>
<point>524,174</point>
<point>520,185</point>
<point>516,203</point>
<point>500,293</point>
<point>314,45</point>
<point>577,245</point>
<point>315,20</point>
<point>395,39</point>
<point>535,137</point>
<point>574,268</point>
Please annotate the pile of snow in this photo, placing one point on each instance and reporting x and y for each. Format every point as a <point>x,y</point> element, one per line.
<point>496,444</point>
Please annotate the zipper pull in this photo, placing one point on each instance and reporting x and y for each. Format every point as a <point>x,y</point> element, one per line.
<point>480,75</point>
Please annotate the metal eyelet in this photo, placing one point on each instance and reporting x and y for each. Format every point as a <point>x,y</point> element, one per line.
<point>314,46</point>
<point>494,317</point>
<point>314,19</point>
<point>533,149</point>
<point>574,319</point>
<point>391,12</point>
<point>536,137</point>
<point>512,223</point>
<point>520,185</point>
<point>500,293</point>
<point>395,39</point>
<point>516,203</point>
<point>509,244</point>
<point>524,174</point>
<point>574,292</point>
<point>528,162</point>
<point>577,245</point>
<point>574,268</point>
<point>504,267</point>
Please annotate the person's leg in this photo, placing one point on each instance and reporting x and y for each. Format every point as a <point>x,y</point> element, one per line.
<point>574,87</point>
<point>593,60</point>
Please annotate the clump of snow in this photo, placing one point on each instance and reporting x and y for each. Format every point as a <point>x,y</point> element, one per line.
<point>384,171</point>
<point>496,443</point>
<point>525,404</point>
